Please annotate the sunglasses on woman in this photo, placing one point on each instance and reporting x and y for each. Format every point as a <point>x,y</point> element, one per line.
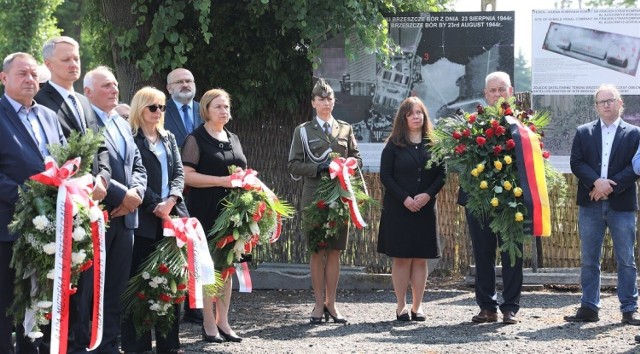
<point>154,107</point>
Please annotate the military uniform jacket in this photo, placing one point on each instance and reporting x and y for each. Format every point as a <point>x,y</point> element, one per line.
<point>304,157</point>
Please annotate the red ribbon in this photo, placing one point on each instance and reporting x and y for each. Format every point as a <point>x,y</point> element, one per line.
<point>343,169</point>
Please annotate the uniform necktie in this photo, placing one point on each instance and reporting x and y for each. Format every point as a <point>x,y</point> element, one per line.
<point>188,122</point>
<point>78,114</point>
<point>325,126</point>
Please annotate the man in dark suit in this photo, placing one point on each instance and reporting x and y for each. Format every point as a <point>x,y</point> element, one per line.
<point>124,195</point>
<point>62,58</point>
<point>601,158</point>
<point>485,241</point>
<point>183,113</point>
<point>25,130</point>
<point>181,118</point>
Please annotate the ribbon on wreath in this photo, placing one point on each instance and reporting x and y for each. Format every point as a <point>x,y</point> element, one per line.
<point>188,231</point>
<point>343,169</point>
<point>532,178</point>
<point>70,192</point>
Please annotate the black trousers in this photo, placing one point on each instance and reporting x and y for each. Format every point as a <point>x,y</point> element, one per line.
<point>142,248</point>
<point>485,243</point>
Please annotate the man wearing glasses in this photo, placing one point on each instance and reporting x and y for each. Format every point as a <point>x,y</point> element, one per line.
<point>183,113</point>
<point>602,158</point>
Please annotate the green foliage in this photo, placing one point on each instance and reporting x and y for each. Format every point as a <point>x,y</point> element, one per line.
<point>26,25</point>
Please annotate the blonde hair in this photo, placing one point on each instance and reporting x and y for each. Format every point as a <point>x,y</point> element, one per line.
<point>207,98</point>
<point>144,97</point>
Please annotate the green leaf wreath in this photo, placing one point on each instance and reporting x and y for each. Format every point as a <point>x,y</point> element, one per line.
<point>34,220</point>
<point>479,147</point>
<point>328,215</point>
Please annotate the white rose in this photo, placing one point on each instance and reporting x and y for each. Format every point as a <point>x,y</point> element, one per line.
<point>49,248</point>
<point>35,335</point>
<point>79,234</point>
<point>146,275</point>
<point>153,284</point>
<point>255,230</point>
<point>333,205</point>
<point>95,213</point>
<point>40,222</point>
<point>78,257</point>
<point>159,280</point>
<point>45,304</point>
<point>154,307</point>
<point>50,275</point>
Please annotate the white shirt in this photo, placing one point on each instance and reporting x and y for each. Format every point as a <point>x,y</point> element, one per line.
<point>321,124</point>
<point>608,134</point>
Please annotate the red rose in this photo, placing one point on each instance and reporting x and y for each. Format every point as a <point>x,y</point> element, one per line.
<point>480,109</point>
<point>497,149</point>
<point>499,130</point>
<point>164,298</point>
<point>489,133</point>
<point>141,296</point>
<point>546,154</point>
<point>320,204</point>
<point>181,287</point>
<point>510,144</point>
<point>481,141</point>
<point>460,149</point>
<point>456,135</point>
<point>332,224</point>
<point>508,112</point>
<point>163,269</point>
<point>466,133</point>
<point>494,123</point>
<point>532,127</point>
<point>48,316</point>
<point>472,118</point>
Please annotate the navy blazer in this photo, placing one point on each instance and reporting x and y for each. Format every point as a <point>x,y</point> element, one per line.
<point>50,97</point>
<point>149,222</point>
<point>126,173</point>
<point>586,161</point>
<point>173,121</point>
<point>20,157</point>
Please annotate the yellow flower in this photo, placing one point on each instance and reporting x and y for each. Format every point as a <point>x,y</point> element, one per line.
<point>507,160</point>
<point>517,191</point>
<point>507,185</point>
<point>495,202</point>
<point>480,167</point>
<point>497,164</point>
<point>484,185</point>
<point>519,216</point>
<point>475,172</point>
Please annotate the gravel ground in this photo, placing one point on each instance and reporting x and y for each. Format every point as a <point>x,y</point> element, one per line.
<point>276,321</point>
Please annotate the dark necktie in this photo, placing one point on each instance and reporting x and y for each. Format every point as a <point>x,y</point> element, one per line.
<point>188,122</point>
<point>78,112</point>
<point>325,126</point>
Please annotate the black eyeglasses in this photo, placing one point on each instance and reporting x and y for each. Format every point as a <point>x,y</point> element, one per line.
<point>154,107</point>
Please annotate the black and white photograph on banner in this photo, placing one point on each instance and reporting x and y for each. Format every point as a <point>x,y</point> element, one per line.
<point>444,60</point>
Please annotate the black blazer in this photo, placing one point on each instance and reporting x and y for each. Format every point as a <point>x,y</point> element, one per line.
<point>49,97</point>
<point>173,121</point>
<point>148,222</point>
<point>586,160</point>
<point>20,158</point>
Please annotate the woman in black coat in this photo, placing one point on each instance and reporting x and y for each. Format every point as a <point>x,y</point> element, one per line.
<point>163,197</point>
<point>408,224</point>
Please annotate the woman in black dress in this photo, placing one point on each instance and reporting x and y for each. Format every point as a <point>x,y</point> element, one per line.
<point>207,154</point>
<point>162,198</point>
<point>408,225</point>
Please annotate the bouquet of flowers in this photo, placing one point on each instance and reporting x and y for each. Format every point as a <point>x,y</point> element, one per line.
<point>498,153</point>
<point>337,202</point>
<point>57,235</point>
<point>252,215</point>
<point>165,276</point>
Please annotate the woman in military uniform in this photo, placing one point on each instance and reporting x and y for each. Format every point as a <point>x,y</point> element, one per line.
<point>308,157</point>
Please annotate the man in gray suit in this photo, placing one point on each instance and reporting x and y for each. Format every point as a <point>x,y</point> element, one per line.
<point>183,113</point>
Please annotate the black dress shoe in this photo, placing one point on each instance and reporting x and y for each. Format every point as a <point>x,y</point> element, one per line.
<point>403,316</point>
<point>418,316</point>
<point>230,337</point>
<point>211,339</point>
<point>631,318</point>
<point>336,319</point>
<point>193,316</point>
<point>583,315</point>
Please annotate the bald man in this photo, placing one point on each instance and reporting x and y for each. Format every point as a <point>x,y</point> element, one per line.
<point>183,113</point>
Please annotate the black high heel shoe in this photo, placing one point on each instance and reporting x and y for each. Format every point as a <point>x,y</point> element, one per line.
<point>212,339</point>
<point>336,319</point>
<point>315,320</point>
<point>229,337</point>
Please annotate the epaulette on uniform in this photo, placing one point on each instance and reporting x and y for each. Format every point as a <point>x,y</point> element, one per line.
<point>342,122</point>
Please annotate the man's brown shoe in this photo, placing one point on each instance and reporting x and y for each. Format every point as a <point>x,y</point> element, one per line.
<point>509,317</point>
<point>485,316</point>
<point>583,315</point>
